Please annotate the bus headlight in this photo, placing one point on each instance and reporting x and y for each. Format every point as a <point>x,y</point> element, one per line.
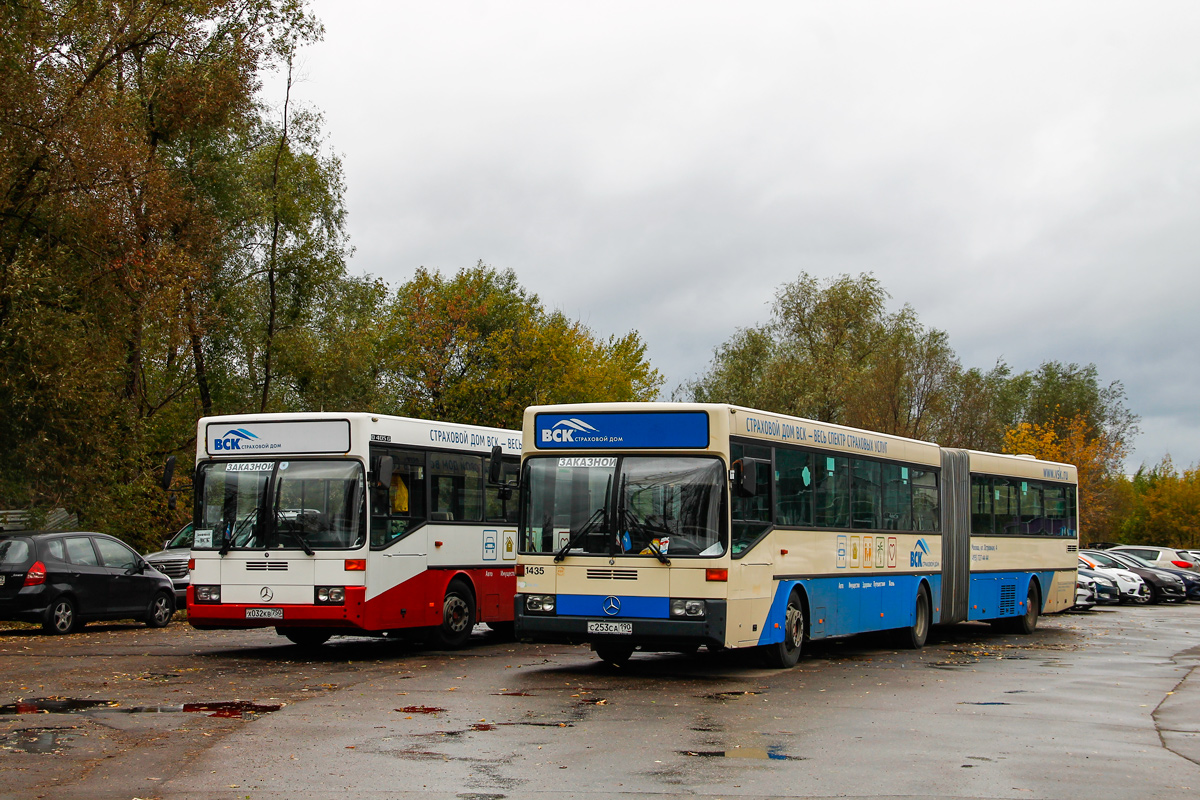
<point>688,608</point>
<point>208,594</point>
<point>331,595</point>
<point>539,603</point>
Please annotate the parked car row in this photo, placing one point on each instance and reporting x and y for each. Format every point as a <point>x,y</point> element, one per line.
<point>1136,574</point>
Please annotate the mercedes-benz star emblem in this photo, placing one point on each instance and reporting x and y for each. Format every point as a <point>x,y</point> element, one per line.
<point>612,606</point>
<point>266,594</point>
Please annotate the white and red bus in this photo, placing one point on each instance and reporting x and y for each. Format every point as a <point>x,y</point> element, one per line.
<point>325,523</point>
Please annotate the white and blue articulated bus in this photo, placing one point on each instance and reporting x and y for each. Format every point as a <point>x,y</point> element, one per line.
<point>666,526</point>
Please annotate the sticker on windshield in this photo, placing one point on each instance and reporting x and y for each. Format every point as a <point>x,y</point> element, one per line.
<point>203,539</point>
<point>587,462</point>
<point>248,466</point>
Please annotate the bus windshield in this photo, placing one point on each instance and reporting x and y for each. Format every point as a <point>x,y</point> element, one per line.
<point>632,505</point>
<point>291,505</point>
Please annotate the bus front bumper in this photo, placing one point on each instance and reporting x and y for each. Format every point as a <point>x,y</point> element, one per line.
<point>646,634</point>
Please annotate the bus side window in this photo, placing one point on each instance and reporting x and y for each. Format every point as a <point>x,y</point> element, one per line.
<point>456,487</point>
<point>498,506</point>
<point>752,515</point>
<point>865,505</point>
<point>897,498</point>
<point>981,505</point>
<point>793,487</point>
<point>1032,511</point>
<point>404,507</point>
<point>926,510</point>
<point>1008,517</point>
<point>833,492</point>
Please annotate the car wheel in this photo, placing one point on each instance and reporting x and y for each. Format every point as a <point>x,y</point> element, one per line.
<point>785,654</point>
<point>615,654</point>
<point>458,615</point>
<point>914,636</point>
<point>162,608</point>
<point>1152,597</point>
<point>61,617</point>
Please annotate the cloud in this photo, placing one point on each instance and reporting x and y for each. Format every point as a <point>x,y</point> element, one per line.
<point>1024,175</point>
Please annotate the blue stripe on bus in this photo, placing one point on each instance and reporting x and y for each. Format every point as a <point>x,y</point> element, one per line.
<point>592,605</point>
<point>860,603</point>
<point>852,604</point>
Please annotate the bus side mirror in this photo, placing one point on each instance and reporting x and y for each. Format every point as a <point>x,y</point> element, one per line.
<point>168,473</point>
<point>383,474</point>
<point>745,476</point>
<point>495,465</point>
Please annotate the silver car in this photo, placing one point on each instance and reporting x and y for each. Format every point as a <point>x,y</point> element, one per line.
<point>172,561</point>
<point>1159,556</point>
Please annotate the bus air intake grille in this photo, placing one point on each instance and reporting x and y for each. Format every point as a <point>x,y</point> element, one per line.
<point>612,574</point>
<point>1072,548</point>
<point>1008,599</point>
<point>266,566</point>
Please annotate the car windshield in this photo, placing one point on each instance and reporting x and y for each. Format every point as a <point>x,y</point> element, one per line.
<point>632,505</point>
<point>294,505</point>
<point>14,552</point>
<point>183,539</point>
<point>1129,559</point>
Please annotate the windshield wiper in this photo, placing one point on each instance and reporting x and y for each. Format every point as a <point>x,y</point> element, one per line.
<point>233,530</point>
<point>630,520</point>
<point>587,527</point>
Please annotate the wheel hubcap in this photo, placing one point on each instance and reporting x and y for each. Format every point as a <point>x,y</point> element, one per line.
<point>456,613</point>
<point>62,617</point>
<point>793,623</point>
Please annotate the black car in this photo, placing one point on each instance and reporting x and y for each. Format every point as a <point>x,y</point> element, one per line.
<point>64,580</point>
<point>1164,587</point>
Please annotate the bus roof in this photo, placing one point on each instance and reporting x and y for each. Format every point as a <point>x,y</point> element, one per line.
<point>330,432</point>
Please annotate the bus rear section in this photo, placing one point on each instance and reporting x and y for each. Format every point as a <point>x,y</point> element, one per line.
<point>319,525</point>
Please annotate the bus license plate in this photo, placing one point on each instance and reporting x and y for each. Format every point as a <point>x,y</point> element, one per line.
<point>610,627</point>
<point>264,613</point>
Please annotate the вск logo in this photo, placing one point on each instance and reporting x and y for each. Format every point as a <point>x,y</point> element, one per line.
<point>565,429</point>
<point>233,439</point>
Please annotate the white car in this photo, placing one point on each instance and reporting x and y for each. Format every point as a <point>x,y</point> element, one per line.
<point>1133,587</point>
<point>1159,556</point>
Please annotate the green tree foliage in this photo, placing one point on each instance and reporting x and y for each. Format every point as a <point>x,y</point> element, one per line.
<point>1162,506</point>
<point>479,347</point>
<point>833,352</point>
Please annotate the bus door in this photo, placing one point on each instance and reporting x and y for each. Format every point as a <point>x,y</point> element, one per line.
<point>751,575</point>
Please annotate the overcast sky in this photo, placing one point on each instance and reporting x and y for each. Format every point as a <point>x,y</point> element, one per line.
<point>1025,175</point>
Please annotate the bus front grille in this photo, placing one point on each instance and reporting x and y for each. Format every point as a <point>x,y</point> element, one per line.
<point>601,574</point>
<point>266,566</point>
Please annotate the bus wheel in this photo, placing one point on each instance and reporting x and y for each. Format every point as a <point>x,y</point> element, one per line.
<point>1027,623</point>
<point>615,654</point>
<point>458,615</point>
<point>305,637</point>
<point>785,654</point>
<point>914,636</point>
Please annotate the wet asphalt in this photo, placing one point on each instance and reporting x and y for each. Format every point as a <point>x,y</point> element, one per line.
<point>1102,704</point>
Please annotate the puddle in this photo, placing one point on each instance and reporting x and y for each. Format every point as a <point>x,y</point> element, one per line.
<point>727,695</point>
<point>513,694</point>
<point>599,701</point>
<point>993,703</point>
<point>38,741</point>
<point>420,710</point>
<point>483,726</point>
<point>235,709</point>
<point>770,753</point>
<point>232,710</point>
<point>54,705</point>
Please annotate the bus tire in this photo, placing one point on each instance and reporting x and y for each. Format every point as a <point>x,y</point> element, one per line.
<point>1027,622</point>
<point>914,636</point>
<point>785,654</point>
<point>615,654</point>
<point>305,637</point>
<point>458,615</point>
